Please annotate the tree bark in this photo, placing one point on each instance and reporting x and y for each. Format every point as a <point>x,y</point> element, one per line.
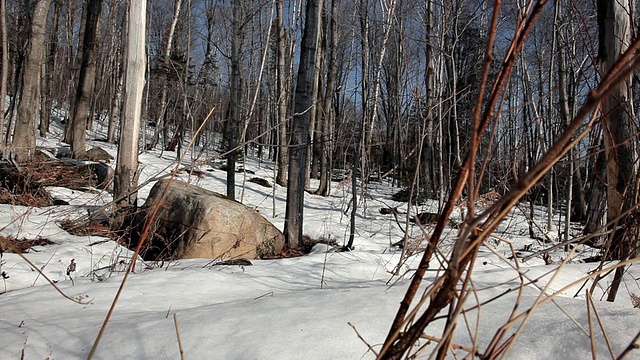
<point>300,133</point>
<point>282,92</point>
<point>317,119</point>
<point>127,162</point>
<point>86,80</point>
<point>5,64</point>
<point>23,22</point>
<point>620,141</point>
<point>328,110</point>
<point>49,73</point>
<point>565,115</point>
<point>24,137</point>
<point>233,123</point>
<point>75,63</point>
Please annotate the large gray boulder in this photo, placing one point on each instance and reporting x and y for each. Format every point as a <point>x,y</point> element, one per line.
<point>196,223</point>
<point>98,154</point>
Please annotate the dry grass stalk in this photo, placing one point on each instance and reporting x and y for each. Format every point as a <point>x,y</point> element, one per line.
<point>600,323</point>
<point>592,336</point>
<point>175,322</point>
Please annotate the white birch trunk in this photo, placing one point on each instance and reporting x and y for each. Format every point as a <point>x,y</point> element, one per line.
<point>127,162</point>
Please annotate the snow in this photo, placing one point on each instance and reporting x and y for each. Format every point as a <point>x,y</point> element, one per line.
<point>311,307</point>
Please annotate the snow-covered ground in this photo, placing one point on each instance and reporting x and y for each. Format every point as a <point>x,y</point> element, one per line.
<point>311,307</point>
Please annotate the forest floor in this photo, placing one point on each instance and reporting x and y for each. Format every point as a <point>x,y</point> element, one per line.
<point>323,305</point>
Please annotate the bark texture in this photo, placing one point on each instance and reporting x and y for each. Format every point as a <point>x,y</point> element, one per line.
<point>24,136</point>
<point>298,151</point>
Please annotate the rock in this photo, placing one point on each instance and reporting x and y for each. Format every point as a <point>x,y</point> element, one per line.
<point>98,154</point>
<point>47,154</point>
<point>196,223</point>
<point>62,151</point>
<point>104,175</point>
<point>260,181</point>
<point>239,262</point>
<point>389,210</point>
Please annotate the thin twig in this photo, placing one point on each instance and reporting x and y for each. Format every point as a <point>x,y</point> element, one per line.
<point>453,346</point>
<point>44,266</point>
<point>362,339</point>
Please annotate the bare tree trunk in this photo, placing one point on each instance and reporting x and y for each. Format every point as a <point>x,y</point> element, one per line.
<point>98,100</point>
<point>317,116</point>
<point>75,64</point>
<point>566,116</point>
<point>233,123</point>
<point>455,154</point>
<point>316,107</point>
<point>24,24</point>
<point>118,66</point>
<point>429,167</point>
<point>621,143</point>
<point>360,152</point>
<point>49,69</point>
<point>282,92</point>
<point>86,80</point>
<point>393,79</point>
<point>127,163</point>
<point>5,64</point>
<point>300,133</point>
<point>186,111</point>
<point>116,102</point>
<point>597,202</point>
<point>24,137</point>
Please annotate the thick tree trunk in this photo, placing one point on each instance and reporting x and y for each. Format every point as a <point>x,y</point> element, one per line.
<point>86,80</point>
<point>125,180</point>
<point>75,64</point>
<point>49,73</point>
<point>24,137</point>
<point>300,132</point>
<point>4,77</point>
<point>619,128</point>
